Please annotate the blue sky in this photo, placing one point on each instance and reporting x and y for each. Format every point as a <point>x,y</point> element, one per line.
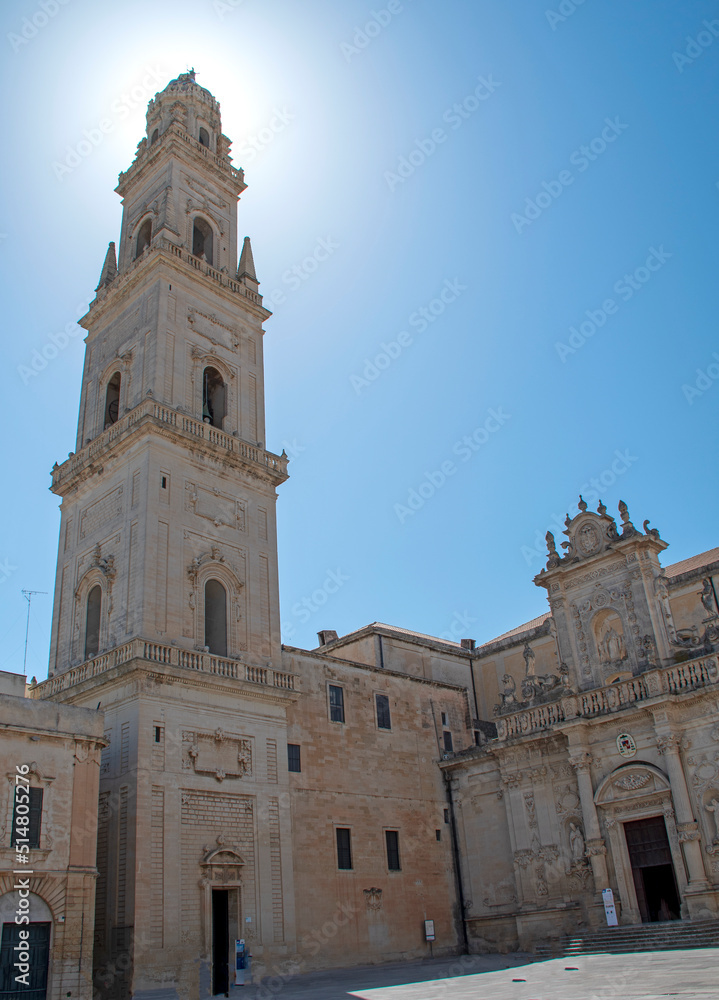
<point>488,176</point>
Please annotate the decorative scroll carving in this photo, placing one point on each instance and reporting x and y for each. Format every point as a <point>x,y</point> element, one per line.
<point>373,898</point>
<point>632,782</point>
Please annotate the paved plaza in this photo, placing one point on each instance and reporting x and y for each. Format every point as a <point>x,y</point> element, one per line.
<point>688,975</point>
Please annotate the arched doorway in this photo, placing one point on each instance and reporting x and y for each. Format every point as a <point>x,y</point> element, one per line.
<point>24,945</point>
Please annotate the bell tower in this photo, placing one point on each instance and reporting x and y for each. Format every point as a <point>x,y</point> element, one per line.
<point>166,610</point>
<point>169,499</point>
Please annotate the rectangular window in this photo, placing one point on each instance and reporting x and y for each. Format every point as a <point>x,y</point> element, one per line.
<point>447,737</point>
<point>27,816</point>
<point>444,718</point>
<point>293,757</point>
<point>158,734</point>
<point>446,815</point>
<point>163,482</point>
<point>344,849</point>
<point>383,717</point>
<point>392,839</point>
<point>337,704</point>
<point>438,834</point>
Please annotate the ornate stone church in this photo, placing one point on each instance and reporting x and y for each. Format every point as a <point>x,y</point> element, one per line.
<point>387,792</point>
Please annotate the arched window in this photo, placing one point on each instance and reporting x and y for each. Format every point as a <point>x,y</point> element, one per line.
<point>213,398</point>
<point>202,240</point>
<point>112,400</point>
<point>155,137</point>
<point>204,138</point>
<point>216,618</point>
<point>143,237</point>
<point>92,622</point>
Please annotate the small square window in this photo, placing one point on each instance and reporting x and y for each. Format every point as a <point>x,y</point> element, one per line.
<point>384,720</point>
<point>392,840</point>
<point>438,834</point>
<point>447,737</point>
<point>293,757</point>
<point>446,815</point>
<point>344,849</point>
<point>337,704</point>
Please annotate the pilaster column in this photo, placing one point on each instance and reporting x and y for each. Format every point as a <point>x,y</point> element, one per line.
<point>669,745</point>
<point>581,761</point>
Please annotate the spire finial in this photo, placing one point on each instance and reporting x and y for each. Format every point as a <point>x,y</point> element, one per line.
<point>582,503</point>
<point>109,268</point>
<point>246,267</point>
<point>601,509</point>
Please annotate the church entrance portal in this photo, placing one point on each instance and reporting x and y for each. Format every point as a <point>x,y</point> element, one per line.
<point>652,868</point>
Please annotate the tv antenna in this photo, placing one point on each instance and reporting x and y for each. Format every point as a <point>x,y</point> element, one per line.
<point>28,595</point>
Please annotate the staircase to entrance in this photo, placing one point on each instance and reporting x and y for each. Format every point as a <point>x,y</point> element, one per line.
<point>658,936</point>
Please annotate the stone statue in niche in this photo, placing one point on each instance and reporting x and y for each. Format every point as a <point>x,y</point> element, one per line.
<point>713,808</point>
<point>611,645</point>
<point>576,843</point>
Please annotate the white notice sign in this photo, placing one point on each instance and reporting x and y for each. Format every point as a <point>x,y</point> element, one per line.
<point>609,908</point>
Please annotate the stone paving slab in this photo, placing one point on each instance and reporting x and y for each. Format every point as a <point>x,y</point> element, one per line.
<point>684,975</point>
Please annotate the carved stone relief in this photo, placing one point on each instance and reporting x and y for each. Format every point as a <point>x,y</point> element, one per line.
<point>221,755</point>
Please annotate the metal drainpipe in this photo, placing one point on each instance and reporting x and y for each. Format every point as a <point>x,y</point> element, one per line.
<point>474,689</point>
<point>457,867</point>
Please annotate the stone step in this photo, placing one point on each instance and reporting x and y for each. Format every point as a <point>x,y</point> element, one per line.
<point>672,935</point>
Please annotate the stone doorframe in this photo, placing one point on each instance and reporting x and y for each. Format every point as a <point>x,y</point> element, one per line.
<point>631,792</point>
<point>221,869</point>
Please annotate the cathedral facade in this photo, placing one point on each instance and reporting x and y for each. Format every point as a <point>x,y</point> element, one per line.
<point>388,794</point>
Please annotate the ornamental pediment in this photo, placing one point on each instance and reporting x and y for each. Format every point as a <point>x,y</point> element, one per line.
<point>590,534</point>
<point>630,782</point>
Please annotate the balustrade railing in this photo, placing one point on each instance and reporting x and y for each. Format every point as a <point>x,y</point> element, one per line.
<point>677,679</point>
<point>154,652</point>
<point>148,408</point>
